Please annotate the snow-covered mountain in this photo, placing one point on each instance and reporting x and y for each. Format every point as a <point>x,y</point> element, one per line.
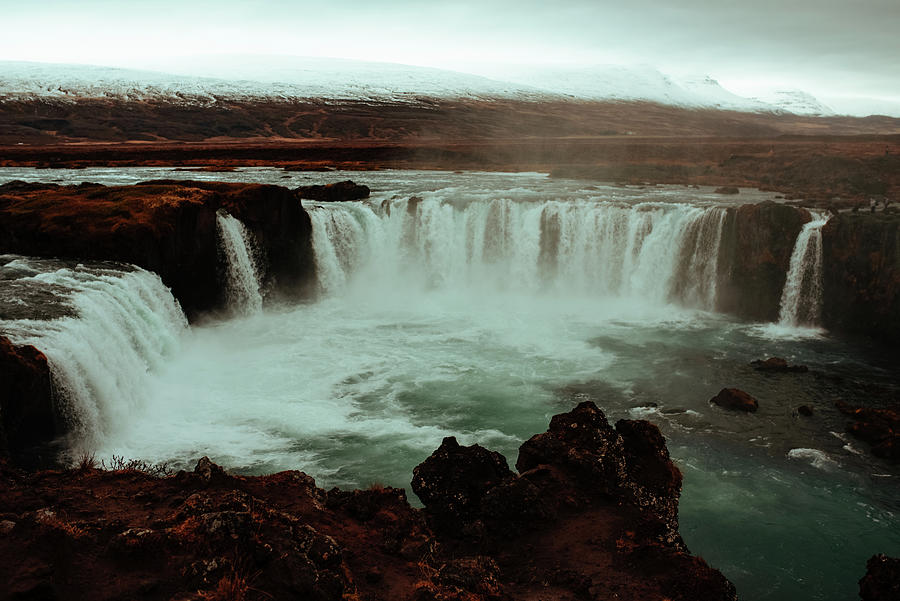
<point>281,78</point>
<point>797,102</point>
<point>313,78</point>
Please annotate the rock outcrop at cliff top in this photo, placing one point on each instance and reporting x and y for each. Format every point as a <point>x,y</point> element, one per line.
<point>165,226</point>
<point>337,192</point>
<point>90,534</point>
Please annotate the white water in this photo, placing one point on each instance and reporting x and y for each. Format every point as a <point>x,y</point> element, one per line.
<point>655,252</point>
<point>801,299</point>
<point>417,339</point>
<point>127,324</point>
<point>242,270</point>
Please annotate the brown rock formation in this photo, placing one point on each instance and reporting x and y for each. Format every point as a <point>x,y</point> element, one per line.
<point>755,254</point>
<point>882,579</point>
<point>90,534</point>
<point>28,415</point>
<point>738,400</point>
<point>861,259</point>
<point>166,226</point>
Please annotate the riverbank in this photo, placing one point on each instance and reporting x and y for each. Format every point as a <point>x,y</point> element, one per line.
<point>593,514</point>
<point>825,170</point>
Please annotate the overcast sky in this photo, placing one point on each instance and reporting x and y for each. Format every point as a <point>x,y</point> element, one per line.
<point>834,49</point>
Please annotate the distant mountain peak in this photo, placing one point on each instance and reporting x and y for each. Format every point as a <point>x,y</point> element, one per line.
<point>280,78</point>
<point>797,102</point>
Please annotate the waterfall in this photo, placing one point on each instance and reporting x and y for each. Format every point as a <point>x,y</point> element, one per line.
<point>660,252</point>
<point>121,323</point>
<point>801,299</point>
<point>242,279</point>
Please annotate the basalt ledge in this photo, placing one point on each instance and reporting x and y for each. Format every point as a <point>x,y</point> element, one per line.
<point>165,226</point>
<point>591,515</point>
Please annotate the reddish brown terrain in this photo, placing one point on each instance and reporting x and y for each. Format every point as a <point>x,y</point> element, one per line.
<point>838,159</point>
<point>591,515</point>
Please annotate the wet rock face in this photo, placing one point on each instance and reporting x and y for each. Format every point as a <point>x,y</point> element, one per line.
<point>882,579</point>
<point>861,262</point>
<point>735,399</point>
<point>454,480</point>
<point>583,445</point>
<point>878,427</point>
<point>205,534</point>
<point>337,192</point>
<point>470,492</point>
<point>755,254</point>
<point>165,226</point>
<point>27,411</point>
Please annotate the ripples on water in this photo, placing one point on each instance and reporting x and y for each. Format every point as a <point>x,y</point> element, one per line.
<point>430,325</point>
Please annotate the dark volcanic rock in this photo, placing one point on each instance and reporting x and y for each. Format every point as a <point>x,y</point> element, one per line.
<point>454,480</point>
<point>93,535</point>
<point>340,191</point>
<point>583,445</point>
<point>754,257</point>
<point>777,364</point>
<point>861,262</point>
<point>732,398</point>
<point>882,579</point>
<point>727,190</point>
<point>28,415</point>
<point>168,227</point>
<point>879,427</point>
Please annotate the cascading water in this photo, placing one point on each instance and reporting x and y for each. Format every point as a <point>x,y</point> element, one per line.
<point>660,252</point>
<point>242,271</point>
<point>113,325</point>
<point>801,299</point>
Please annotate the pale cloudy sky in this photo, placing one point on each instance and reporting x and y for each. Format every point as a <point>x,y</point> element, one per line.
<point>837,50</point>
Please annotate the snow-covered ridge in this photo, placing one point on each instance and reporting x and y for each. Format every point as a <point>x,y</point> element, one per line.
<point>797,102</point>
<point>338,79</point>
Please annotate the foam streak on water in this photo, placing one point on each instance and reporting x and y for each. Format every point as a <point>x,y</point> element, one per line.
<point>656,252</point>
<point>801,299</point>
<point>242,271</point>
<point>127,323</point>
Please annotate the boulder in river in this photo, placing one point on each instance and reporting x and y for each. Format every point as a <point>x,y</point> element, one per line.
<point>882,579</point>
<point>777,365</point>
<point>733,398</point>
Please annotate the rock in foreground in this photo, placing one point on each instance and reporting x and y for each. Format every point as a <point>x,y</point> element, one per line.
<point>882,579</point>
<point>593,515</point>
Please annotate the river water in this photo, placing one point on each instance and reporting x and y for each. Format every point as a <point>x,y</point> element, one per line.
<point>478,305</point>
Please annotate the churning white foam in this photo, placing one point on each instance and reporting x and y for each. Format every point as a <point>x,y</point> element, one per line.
<point>655,252</point>
<point>127,322</point>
